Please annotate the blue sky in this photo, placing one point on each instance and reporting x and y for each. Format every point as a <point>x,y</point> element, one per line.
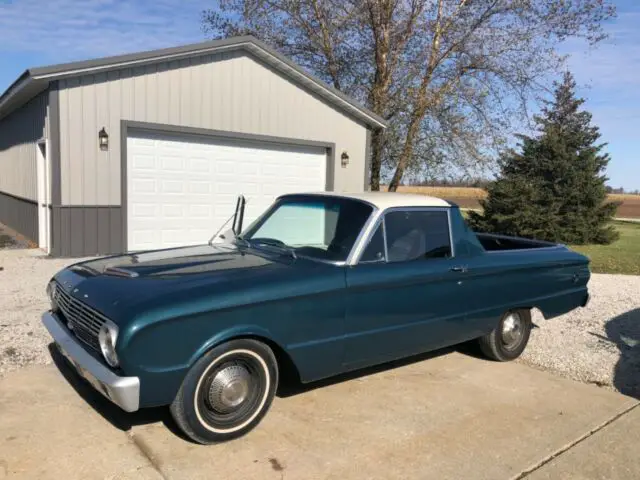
<point>40,32</point>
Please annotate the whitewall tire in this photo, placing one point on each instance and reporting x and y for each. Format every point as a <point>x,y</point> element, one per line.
<point>227,392</point>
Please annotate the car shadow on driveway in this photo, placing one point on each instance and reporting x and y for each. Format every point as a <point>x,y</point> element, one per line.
<point>112,413</point>
<point>292,387</point>
<point>125,421</point>
<point>624,332</point>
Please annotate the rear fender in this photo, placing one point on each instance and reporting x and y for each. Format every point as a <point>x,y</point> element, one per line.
<point>557,305</point>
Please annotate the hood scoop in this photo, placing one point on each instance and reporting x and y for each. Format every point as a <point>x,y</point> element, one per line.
<point>120,272</point>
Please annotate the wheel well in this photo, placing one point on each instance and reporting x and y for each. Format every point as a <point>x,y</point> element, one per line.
<point>534,311</point>
<point>287,371</point>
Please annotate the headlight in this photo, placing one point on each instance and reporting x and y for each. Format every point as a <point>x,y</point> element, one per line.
<point>51,293</point>
<point>107,337</point>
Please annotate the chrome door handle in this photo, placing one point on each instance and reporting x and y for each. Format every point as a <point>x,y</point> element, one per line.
<point>459,268</point>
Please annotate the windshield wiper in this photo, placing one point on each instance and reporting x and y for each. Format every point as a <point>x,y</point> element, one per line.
<point>273,242</point>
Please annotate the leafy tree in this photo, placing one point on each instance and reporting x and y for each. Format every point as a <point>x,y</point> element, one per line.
<point>554,188</point>
<point>451,76</point>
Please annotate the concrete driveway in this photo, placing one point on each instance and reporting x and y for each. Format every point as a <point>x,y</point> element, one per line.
<point>448,415</point>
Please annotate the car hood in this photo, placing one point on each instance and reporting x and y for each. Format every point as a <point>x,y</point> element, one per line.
<point>203,277</point>
<point>174,262</point>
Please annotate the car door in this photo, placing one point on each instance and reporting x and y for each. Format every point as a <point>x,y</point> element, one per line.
<point>403,293</point>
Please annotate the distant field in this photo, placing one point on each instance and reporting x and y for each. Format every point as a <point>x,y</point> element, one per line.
<point>468,197</point>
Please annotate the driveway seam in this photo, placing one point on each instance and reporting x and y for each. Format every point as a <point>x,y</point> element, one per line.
<point>146,452</point>
<point>569,446</point>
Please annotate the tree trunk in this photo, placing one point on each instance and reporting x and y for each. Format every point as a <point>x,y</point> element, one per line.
<point>407,150</point>
<point>377,140</point>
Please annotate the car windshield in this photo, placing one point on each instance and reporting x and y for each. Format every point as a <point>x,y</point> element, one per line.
<point>314,226</point>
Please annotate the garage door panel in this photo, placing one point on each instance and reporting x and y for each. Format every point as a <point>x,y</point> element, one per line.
<point>180,190</point>
<point>173,164</point>
<point>199,187</point>
<point>172,186</point>
<point>144,210</point>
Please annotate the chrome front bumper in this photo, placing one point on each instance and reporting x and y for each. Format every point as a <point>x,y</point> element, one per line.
<point>123,391</point>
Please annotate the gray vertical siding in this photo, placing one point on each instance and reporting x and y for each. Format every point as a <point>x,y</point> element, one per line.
<point>53,124</point>
<point>20,214</point>
<point>228,91</point>
<point>86,230</point>
<point>19,134</point>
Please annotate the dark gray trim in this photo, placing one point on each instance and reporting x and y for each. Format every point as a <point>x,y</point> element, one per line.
<point>223,134</point>
<point>127,125</point>
<point>54,143</point>
<point>20,214</point>
<point>331,167</point>
<point>367,162</point>
<point>53,72</point>
<point>124,132</point>
<point>80,231</point>
<point>62,207</point>
<point>19,198</point>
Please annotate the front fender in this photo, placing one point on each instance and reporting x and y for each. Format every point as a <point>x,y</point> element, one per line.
<point>162,353</point>
<point>231,333</point>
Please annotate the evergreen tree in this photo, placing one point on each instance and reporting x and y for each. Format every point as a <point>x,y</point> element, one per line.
<point>554,187</point>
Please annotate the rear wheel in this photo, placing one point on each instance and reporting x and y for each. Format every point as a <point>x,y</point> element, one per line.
<point>227,392</point>
<point>508,340</point>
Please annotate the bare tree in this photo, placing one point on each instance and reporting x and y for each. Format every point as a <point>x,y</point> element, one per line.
<point>450,76</point>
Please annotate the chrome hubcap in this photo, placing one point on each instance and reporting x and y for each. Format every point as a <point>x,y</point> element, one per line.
<point>229,388</point>
<point>512,330</point>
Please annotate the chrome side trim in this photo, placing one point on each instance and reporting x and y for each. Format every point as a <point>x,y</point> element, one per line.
<point>533,249</point>
<point>123,391</point>
<point>363,237</point>
<point>451,242</point>
<point>384,239</point>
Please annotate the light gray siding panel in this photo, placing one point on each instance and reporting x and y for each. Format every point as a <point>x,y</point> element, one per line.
<point>101,168</point>
<point>229,91</point>
<point>163,98</point>
<point>88,177</point>
<point>112,125</point>
<point>19,135</point>
<point>53,129</point>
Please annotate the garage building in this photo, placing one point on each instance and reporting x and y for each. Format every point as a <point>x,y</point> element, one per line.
<point>150,150</point>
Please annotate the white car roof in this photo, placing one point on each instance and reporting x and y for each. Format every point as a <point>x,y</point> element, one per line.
<point>384,200</point>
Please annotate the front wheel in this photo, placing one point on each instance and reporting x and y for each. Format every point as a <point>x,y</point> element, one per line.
<point>508,340</point>
<point>227,392</point>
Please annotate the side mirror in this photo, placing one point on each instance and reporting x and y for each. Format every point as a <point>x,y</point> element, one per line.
<point>236,228</point>
<point>239,215</point>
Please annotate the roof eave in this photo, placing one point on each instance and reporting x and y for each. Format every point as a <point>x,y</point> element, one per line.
<point>19,93</point>
<point>253,45</point>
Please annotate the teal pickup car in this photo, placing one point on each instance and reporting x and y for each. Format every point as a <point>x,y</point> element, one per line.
<point>318,285</point>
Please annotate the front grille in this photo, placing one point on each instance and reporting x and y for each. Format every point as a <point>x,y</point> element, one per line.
<point>84,321</point>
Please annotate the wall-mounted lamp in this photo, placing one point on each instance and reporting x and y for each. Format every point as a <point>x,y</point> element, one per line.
<point>103,140</point>
<point>344,159</point>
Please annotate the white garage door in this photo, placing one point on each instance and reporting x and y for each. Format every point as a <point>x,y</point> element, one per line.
<point>181,189</point>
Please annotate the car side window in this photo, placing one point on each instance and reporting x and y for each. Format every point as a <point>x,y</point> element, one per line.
<point>417,235</point>
<point>375,249</point>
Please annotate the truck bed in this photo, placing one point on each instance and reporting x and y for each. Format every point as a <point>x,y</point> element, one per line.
<point>495,243</point>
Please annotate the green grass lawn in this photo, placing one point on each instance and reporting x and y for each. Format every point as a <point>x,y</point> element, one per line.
<point>622,256</point>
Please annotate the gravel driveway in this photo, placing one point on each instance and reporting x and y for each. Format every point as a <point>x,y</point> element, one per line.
<point>599,344</point>
<point>23,278</point>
